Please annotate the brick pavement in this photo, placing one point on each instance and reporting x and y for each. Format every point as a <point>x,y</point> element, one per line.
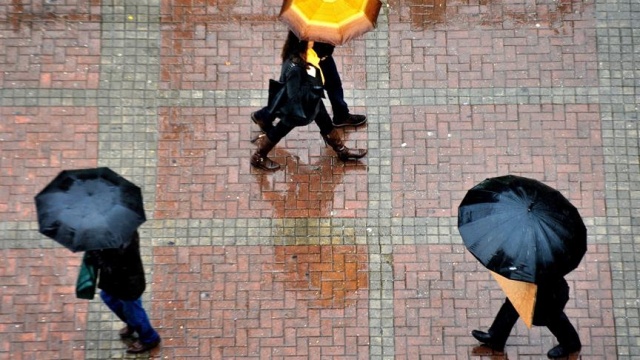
<point>321,259</point>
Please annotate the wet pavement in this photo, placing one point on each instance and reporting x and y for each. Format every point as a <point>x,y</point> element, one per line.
<point>320,259</point>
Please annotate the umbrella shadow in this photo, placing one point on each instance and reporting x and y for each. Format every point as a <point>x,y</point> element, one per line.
<point>301,189</point>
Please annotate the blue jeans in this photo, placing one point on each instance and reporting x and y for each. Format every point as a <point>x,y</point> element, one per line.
<point>132,313</point>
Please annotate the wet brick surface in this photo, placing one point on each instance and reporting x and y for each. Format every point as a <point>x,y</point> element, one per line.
<point>321,259</point>
<point>38,142</point>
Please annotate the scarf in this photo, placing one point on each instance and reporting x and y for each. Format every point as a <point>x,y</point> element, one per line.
<point>313,59</point>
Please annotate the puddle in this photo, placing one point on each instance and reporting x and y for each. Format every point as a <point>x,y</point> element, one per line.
<point>332,277</point>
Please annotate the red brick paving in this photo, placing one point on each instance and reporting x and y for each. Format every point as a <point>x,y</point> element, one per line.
<point>307,301</point>
<point>442,151</point>
<point>233,45</point>
<point>295,301</point>
<point>453,44</point>
<point>262,301</point>
<point>37,143</point>
<point>40,317</point>
<point>50,44</point>
<point>204,170</point>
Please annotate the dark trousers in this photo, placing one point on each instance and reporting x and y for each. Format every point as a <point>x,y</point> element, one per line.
<point>558,324</point>
<point>281,129</point>
<point>333,87</point>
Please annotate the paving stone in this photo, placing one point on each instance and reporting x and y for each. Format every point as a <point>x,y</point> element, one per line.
<point>321,259</point>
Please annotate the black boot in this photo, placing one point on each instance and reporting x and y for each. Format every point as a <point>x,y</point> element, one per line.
<point>264,124</point>
<point>259,158</point>
<point>563,351</point>
<point>567,336</point>
<point>498,333</point>
<point>486,339</point>
<point>344,153</point>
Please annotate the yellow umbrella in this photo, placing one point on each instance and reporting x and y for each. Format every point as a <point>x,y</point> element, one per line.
<point>330,21</point>
<point>521,294</point>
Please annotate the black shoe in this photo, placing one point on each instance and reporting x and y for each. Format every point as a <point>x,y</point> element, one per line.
<point>486,339</point>
<point>562,351</point>
<point>349,120</point>
<point>138,346</point>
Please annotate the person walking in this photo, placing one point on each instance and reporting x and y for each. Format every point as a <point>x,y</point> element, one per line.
<point>304,82</point>
<point>333,87</point>
<point>121,279</point>
<point>551,298</point>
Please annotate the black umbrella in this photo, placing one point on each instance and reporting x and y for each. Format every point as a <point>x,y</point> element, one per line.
<point>90,209</point>
<point>522,229</point>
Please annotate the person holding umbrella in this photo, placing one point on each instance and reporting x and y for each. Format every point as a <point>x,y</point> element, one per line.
<point>98,211</point>
<point>303,81</point>
<point>327,24</point>
<point>121,278</point>
<point>529,236</point>
<point>552,296</point>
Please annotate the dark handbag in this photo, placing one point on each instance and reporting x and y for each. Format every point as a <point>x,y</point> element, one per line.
<point>277,96</point>
<point>87,280</point>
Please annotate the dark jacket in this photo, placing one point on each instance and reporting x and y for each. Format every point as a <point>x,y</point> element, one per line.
<point>551,298</point>
<point>121,273</point>
<point>304,93</point>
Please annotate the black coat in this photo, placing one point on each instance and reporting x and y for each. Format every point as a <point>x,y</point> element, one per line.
<point>551,298</point>
<point>121,273</point>
<point>304,93</point>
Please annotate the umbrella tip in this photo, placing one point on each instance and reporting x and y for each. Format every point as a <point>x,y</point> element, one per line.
<point>530,206</point>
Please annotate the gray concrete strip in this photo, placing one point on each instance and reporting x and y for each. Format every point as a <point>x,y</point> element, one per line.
<point>618,38</point>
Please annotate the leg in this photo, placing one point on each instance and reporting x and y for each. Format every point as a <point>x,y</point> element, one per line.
<point>331,136</point>
<point>114,304</point>
<point>117,307</point>
<point>505,320</point>
<point>264,119</point>
<point>568,339</point>
<point>499,331</point>
<point>266,143</point>
<point>333,87</point>
<point>138,320</point>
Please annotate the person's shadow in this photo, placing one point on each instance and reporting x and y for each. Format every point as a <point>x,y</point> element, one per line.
<point>300,190</point>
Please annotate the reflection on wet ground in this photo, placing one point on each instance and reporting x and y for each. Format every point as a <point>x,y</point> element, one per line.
<point>505,14</point>
<point>25,13</point>
<point>331,275</point>
<point>307,190</point>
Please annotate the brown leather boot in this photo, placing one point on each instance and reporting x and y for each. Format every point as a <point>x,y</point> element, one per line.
<point>259,158</point>
<point>264,124</point>
<point>138,346</point>
<point>344,153</point>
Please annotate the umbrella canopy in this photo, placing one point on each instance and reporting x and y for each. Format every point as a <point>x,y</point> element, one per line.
<point>330,21</point>
<point>522,229</point>
<point>90,209</point>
